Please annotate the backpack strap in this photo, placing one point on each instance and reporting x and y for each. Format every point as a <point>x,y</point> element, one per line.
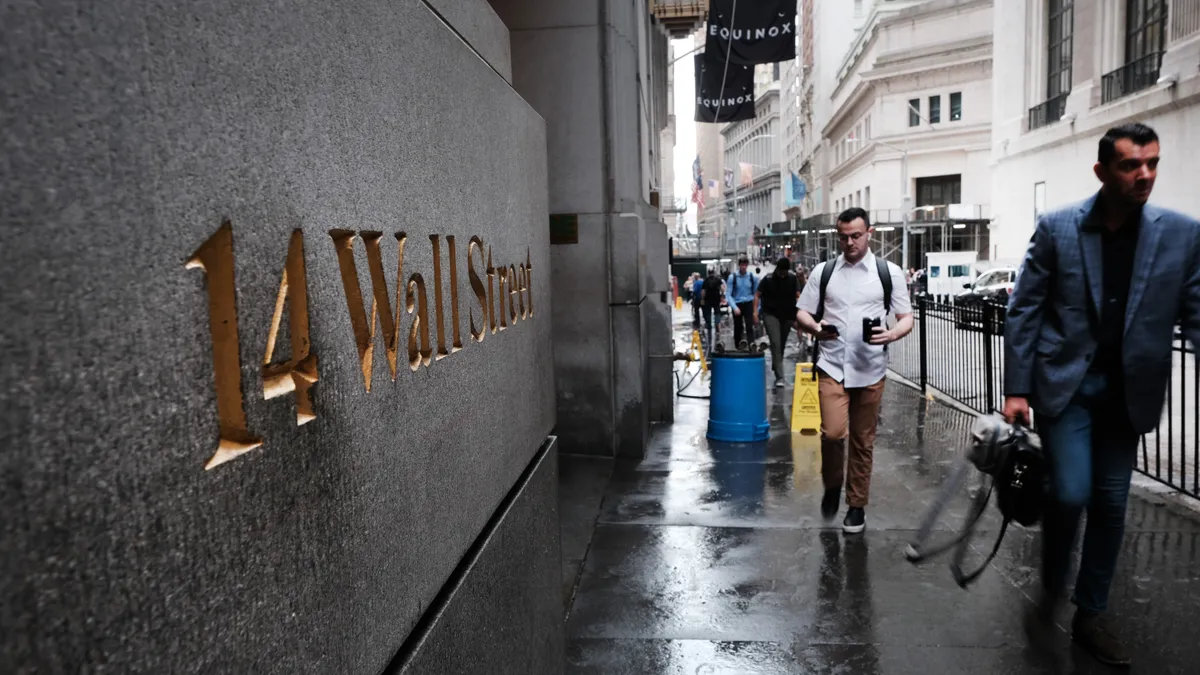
<point>826,275</point>
<point>956,567</point>
<point>885,278</point>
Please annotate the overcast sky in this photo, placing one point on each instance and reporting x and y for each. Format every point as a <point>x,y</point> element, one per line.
<point>685,128</point>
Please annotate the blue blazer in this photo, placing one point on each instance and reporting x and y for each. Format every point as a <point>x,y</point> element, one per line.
<point>1048,344</point>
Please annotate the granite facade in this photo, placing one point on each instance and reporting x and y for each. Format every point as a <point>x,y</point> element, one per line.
<point>129,132</point>
<point>523,631</point>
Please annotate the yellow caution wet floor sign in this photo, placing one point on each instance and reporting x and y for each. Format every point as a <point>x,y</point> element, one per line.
<point>806,405</point>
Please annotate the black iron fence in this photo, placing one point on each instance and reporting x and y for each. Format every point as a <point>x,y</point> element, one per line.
<point>958,350</point>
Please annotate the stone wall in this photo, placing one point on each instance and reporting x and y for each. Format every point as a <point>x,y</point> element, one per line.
<point>172,505</point>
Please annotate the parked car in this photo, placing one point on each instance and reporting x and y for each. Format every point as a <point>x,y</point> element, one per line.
<point>991,287</point>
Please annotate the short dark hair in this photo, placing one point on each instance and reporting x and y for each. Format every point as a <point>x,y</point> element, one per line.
<point>743,260</point>
<point>849,215</point>
<point>1137,132</point>
<point>784,264</point>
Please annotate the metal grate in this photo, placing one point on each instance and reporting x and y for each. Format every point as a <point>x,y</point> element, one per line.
<point>1131,77</point>
<point>1047,113</point>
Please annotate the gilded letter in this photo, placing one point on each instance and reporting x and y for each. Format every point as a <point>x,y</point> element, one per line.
<point>524,287</point>
<point>501,283</point>
<point>418,303</point>
<point>491,272</point>
<point>529,280</point>
<point>215,258</point>
<point>437,295</point>
<point>457,345</point>
<point>476,244</point>
<point>299,373</point>
<point>364,329</point>
<point>514,290</point>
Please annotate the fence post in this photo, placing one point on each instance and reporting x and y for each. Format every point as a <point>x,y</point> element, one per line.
<point>923,340</point>
<point>989,326</point>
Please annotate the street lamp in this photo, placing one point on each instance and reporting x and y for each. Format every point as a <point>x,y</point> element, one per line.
<point>737,179</point>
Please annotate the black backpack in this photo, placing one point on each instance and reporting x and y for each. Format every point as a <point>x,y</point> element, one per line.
<point>753,282</point>
<point>885,278</point>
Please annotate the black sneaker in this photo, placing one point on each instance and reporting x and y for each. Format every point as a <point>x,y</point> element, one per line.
<point>1096,637</point>
<point>830,502</point>
<point>856,520</point>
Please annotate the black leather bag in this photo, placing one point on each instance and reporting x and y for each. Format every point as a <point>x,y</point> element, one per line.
<point>1012,457</point>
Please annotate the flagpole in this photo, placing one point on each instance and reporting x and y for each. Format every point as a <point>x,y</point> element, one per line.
<point>738,163</point>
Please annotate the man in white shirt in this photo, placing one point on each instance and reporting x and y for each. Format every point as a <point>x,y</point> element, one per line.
<point>851,367</point>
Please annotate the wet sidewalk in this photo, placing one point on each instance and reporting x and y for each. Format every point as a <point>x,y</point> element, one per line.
<point>711,558</point>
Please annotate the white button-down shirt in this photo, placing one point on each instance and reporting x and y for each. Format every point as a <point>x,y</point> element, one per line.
<point>854,293</point>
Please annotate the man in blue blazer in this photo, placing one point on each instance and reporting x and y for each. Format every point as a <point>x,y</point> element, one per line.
<point>1088,347</point>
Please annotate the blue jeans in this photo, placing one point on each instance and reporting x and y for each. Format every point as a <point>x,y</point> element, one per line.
<point>1091,449</point>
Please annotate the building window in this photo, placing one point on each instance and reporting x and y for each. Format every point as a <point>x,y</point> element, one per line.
<point>914,112</point>
<point>1145,42</point>
<point>935,109</point>
<point>867,198</point>
<point>775,72</point>
<point>956,106</point>
<point>858,198</point>
<point>867,129</point>
<point>1059,51</point>
<point>1039,200</point>
<point>1060,47</point>
<point>939,190</point>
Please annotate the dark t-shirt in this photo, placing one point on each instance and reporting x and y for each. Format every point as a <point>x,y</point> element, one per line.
<point>712,291</point>
<point>1109,328</point>
<point>779,295</point>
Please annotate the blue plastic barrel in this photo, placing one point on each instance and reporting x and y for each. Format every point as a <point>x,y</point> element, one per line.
<point>737,410</point>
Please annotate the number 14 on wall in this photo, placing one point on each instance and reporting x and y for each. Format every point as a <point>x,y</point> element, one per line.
<point>295,375</point>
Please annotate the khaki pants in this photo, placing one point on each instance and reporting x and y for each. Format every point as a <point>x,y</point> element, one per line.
<point>854,413</point>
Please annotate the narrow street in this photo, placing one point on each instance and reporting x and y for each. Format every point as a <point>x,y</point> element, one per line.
<point>713,558</point>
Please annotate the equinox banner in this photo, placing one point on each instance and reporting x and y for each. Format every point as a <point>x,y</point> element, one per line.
<point>759,32</point>
<point>734,101</point>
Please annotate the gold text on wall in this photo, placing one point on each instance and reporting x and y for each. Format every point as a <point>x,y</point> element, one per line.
<point>506,299</point>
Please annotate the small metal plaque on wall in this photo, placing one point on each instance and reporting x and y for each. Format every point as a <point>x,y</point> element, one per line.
<point>564,228</point>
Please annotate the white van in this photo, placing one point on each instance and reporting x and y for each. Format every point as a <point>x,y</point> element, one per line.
<point>946,272</point>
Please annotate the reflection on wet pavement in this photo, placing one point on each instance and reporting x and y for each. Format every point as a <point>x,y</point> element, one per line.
<point>712,558</point>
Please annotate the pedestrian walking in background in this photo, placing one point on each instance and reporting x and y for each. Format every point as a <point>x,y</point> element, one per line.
<point>1088,339</point>
<point>844,305</point>
<point>710,301</point>
<point>697,283</point>
<point>739,293</point>
<point>777,296</point>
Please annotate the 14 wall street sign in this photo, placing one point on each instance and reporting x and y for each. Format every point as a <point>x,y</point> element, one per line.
<point>506,299</point>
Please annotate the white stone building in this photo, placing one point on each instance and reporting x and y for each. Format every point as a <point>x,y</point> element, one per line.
<point>1066,72</point>
<point>910,126</point>
<point>754,144</point>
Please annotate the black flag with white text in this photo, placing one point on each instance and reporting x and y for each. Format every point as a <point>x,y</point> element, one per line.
<point>729,103</point>
<point>763,31</point>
